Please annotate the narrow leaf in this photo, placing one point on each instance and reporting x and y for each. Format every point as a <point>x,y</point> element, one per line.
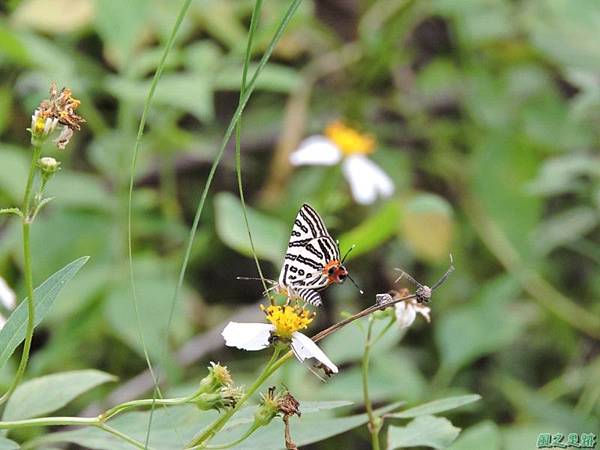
<point>437,406</point>
<point>13,332</point>
<point>46,394</point>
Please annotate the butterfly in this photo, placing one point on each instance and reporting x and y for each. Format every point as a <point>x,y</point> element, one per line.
<point>312,261</point>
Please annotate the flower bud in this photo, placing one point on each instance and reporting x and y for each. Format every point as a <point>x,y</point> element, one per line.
<point>48,165</point>
<point>218,377</point>
<point>226,397</point>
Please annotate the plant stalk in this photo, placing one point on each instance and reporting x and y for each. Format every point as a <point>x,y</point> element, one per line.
<point>374,424</point>
<point>218,424</point>
<point>28,274</point>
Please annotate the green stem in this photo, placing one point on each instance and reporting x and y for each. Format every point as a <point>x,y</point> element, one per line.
<point>241,439</point>
<point>218,424</point>
<point>274,364</point>
<point>123,436</point>
<point>112,412</point>
<point>374,424</point>
<point>28,273</point>
<point>48,422</point>
<point>238,138</point>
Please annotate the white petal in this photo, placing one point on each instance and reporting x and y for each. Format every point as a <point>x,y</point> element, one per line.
<point>366,179</point>
<point>405,314</point>
<point>7,295</point>
<point>305,348</point>
<point>247,336</point>
<point>316,150</point>
<point>424,311</point>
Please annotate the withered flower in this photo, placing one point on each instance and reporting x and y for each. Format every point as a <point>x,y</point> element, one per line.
<point>58,109</point>
<point>289,406</point>
<point>274,404</point>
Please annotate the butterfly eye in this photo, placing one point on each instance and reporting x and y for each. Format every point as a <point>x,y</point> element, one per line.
<point>331,271</point>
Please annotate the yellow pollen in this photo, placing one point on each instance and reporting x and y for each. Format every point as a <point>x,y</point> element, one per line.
<point>288,319</point>
<point>348,140</point>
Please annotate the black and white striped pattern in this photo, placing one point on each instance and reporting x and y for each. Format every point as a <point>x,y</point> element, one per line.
<point>309,250</point>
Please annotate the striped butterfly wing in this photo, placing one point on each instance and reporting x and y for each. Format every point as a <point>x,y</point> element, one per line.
<point>304,268</point>
<point>309,250</point>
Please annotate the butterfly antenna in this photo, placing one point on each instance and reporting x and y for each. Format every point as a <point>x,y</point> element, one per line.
<point>404,274</point>
<point>256,279</point>
<point>347,253</point>
<point>354,283</point>
<point>444,277</point>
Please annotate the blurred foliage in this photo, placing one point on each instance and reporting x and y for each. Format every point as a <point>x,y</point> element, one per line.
<point>487,115</point>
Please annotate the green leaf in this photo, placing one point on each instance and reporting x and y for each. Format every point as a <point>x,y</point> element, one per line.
<point>465,333</point>
<point>119,24</point>
<point>188,92</point>
<point>174,427</point>
<point>171,428</point>
<point>7,444</point>
<point>566,31</point>
<point>428,226</point>
<point>13,332</point>
<point>502,167</point>
<point>374,231</point>
<point>437,406</point>
<point>428,431</point>
<point>46,394</point>
<point>154,287</point>
<point>484,435</point>
<point>13,161</point>
<point>274,78</point>
<point>565,227</point>
<point>270,235</point>
<point>306,430</point>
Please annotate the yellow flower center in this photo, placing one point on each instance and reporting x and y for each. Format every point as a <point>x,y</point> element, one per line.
<point>40,123</point>
<point>348,140</point>
<point>288,319</point>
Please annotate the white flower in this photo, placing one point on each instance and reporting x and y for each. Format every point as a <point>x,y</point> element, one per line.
<point>42,126</point>
<point>7,299</point>
<point>346,145</point>
<point>285,322</point>
<point>406,312</point>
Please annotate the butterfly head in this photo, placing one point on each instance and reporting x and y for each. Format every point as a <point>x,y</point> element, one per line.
<point>335,272</point>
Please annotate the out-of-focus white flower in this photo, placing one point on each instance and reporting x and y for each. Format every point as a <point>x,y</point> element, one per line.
<point>284,326</point>
<point>406,312</point>
<point>7,296</point>
<point>346,145</point>
<point>8,299</point>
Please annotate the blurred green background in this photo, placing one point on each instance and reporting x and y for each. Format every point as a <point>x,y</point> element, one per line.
<point>487,116</point>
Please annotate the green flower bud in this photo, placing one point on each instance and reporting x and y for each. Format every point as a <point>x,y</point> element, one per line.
<point>48,165</point>
<point>218,377</point>
<point>226,397</point>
